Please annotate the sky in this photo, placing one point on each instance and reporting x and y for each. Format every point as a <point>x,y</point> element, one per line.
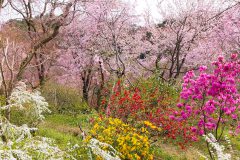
<point>141,7</point>
<point>148,6</point>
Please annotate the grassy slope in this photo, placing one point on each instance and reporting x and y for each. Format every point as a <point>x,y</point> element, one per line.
<point>64,129</point>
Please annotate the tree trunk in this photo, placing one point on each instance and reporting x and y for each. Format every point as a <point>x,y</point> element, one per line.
<point>86,78</point>
<point>99,92</point>
<point>41,69</point>
<point>8,112</point>
<point>85,92</point>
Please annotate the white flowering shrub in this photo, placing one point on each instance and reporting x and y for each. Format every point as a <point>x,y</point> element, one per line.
<point>30,103</point>
<point>218,151</point>
<point>97,148</point>
<point>17,142</point>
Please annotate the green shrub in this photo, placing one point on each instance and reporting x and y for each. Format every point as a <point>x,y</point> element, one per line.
<point>19,117</point>
<point>63,99</point>
<point>157,89</point>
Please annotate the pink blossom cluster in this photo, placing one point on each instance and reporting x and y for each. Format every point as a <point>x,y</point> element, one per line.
<point>211,100</point>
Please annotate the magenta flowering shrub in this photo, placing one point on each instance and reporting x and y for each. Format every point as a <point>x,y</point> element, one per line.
<point>210,101</point>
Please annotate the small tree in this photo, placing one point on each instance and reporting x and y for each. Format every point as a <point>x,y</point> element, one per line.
<point>210,100</point>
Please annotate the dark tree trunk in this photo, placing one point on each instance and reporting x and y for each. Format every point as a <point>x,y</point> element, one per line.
<point>41,69</point>
<point>85,92</point>
<point>86,79</point>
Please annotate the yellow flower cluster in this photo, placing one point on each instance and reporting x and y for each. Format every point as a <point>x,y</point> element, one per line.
<point>150,125</point>
<point>125,139</point>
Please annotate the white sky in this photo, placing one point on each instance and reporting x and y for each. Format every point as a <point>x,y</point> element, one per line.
<point>141,7</point>
<point>149,6</point>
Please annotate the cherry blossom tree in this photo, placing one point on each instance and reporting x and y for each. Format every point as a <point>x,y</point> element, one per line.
<point>99,43</point>
<point>115,23</point>
<point>225,36</point>
<point>42,26</point>
<point>42,23</point>
<point>177,41</point>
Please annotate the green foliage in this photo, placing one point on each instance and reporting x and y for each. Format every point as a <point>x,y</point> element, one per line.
<point>63,99</point>
<point>160,88</point>
<point>19,117</point>
<point>2,100</point>
<point>236,142</point>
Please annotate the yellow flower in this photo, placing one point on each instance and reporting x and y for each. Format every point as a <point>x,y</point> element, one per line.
<point>151,157</point>
<point>124,138</point>
<point>133,148</point>
<point>107,131</point>
<point>149,124</point>
<point>153,127</point>
<point>124,147</point>
<point>144,153</point>
<point>143,129</point>
<point>134,141</point>
<point>99,158</point>
<point>137,157</point>
<point>96,126</point>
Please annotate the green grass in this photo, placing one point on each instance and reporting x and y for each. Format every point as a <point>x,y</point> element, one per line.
<point>159,153</point>
<point>64,130</point>
<point>67,124</point>
<point>236,142</point>
<point>168,151</point>
<point>55,126</point>
<point>62,139</point>
<point>69,120</point>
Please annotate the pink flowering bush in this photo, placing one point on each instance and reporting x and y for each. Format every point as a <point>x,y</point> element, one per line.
<point>210,100</point>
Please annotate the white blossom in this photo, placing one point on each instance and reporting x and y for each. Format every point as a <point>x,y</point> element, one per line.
<point>217,149</point>
<point>96,147</point>
<point>18,142</point>
<point>23,98</point>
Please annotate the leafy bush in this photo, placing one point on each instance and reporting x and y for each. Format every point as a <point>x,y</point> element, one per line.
<point>151,100</point>
<point>131,103</point>
<point>130,142</point>
<point>63,99</point>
